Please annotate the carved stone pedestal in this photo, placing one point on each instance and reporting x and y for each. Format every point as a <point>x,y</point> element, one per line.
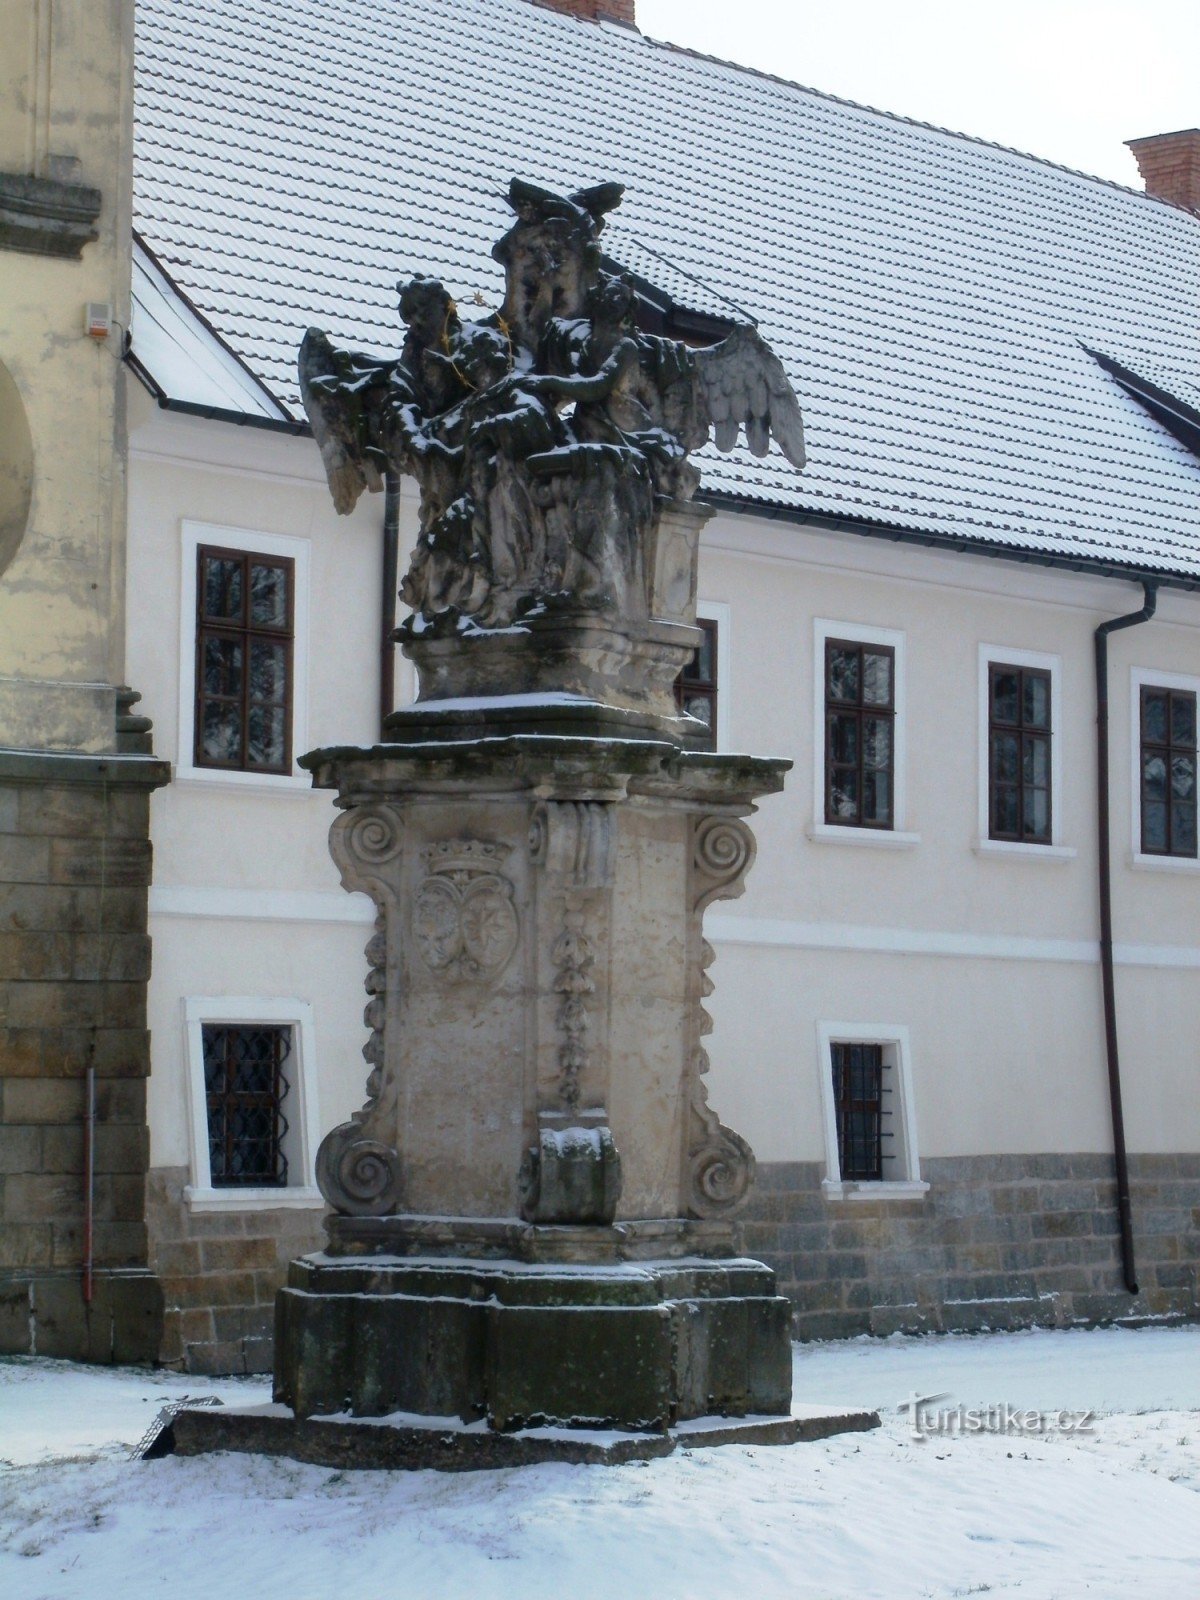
<point>533,1206</point>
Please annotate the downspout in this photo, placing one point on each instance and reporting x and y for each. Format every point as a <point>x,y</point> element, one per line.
<point>1103,856</point>
<point>389,582</point>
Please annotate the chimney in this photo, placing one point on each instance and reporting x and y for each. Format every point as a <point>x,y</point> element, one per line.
<point>1170,166</point>
<point>594,10</point>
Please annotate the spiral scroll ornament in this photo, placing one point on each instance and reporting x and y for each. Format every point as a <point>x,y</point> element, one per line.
<point>359,1177</point>
<point>722,1171</point>
<point>722,854</point>
<point>374,835</point>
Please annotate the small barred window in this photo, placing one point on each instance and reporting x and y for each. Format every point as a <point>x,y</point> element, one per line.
<point>245,1086</point>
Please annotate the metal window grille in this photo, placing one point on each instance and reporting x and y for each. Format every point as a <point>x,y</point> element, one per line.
<point>245,1085</point>
<point>859,1097</point>
<point>244,642</point>
<point>1019,754</point>
<point>1168,772</point>
<point>696,685</point>
<point>860,734</point>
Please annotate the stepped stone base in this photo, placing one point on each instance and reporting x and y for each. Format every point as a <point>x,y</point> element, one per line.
<point>415,1443</point>
<point>631,1345</point>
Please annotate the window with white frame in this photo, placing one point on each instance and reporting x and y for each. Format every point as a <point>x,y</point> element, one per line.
<point>1163,747</point>
<point>869,1113</point>
<point>243,656</point>
<point>859,790</point>
<point>252,1102</point>
<point>1020,753</point>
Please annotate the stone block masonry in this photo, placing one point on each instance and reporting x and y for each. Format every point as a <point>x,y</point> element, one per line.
<point>998,1242</point>
<point>219,1272</point>
<point>74,961</point>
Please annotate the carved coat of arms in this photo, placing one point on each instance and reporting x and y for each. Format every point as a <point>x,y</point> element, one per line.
<point>465,922</point>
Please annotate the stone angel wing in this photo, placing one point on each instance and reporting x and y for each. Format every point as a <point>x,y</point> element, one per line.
<point>343,394</point>
<point>743,384</point>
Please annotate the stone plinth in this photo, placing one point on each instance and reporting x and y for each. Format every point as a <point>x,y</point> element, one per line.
<point>534,1208</point>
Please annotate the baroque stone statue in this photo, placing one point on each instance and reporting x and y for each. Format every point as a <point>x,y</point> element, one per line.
<point>545,437</point>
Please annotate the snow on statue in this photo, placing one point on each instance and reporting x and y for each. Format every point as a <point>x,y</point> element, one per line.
<point>545,437</point>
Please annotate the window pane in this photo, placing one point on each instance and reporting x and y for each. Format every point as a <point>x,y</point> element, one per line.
<point>266,745</point>
<point>1037,700</point>
<point>1183,719</point>
<point>843,796</point>
<point>1005,748</point>
<point>221,731</point>
<point>1154,715</point>
<point>268,670</point>
<point>877,741</point>
<point>1004,811</point>
<point>700,707</point>
<point>876,678</point>
<point>1183,777</point>
<point>843,739</point>
<point>222,666</point>
<point>704,665</point>
<point>1154,825</point>
<point>1005,701</point>
<point>1154,778</point>
<point>222,587</point>
<point>877,797</point>
<point>1037,814</point>
<point>268,596</point>
<point>842,675</point>
<point>1035,767</point>
<point>1183,827</point>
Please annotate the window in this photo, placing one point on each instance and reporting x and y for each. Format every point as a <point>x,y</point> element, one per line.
<point>1019,730</point>
<point>860,715</point>
<point>862,1112</point>
<point>1021,759</point>
<point>696,685</point>
<point>859,733</point>
<point>243,658</point>
<point>244,632</point>
<point>870,1120</point>
<point>245,1086</point>
<point>1167,779</point>
<point>254,1124</point>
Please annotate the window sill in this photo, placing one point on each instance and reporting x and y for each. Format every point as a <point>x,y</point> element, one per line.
<point>888,1189</point>
<point>242,782</point>
<point>881,838</point>
<point>298,1198</point>
<point>1028,852</point>
<point>1143,863</point>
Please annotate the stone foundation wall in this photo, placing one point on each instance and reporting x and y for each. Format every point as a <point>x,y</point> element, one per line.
<point>74,961</point>
<point>219,1272</point>
<point>998,1242</point>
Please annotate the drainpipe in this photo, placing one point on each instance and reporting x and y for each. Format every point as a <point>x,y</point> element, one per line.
<point>389,583</point>
<point>1124,1206</point>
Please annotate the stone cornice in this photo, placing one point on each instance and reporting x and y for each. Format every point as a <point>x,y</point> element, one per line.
<point>44,216</point>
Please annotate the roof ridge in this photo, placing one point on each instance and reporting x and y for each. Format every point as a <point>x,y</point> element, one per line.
<point>912,122</point>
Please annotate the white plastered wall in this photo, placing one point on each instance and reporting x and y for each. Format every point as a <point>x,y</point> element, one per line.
<point>989,962</point>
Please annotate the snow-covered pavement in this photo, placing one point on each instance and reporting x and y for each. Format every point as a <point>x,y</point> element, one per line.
<point>1113,1510</point>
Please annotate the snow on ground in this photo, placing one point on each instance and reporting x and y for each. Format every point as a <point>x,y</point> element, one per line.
<point>1112,1511</point>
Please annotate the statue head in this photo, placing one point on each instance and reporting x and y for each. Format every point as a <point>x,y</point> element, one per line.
<point>550,255</point>
<point>427,308</point>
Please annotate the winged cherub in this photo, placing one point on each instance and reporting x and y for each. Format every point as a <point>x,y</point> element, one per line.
<point>546,436</point>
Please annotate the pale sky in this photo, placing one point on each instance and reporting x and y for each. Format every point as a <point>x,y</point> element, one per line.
<point>1066,79</point>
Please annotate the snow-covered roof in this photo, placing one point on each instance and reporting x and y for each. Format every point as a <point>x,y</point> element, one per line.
<point>181,358</point>
<point>935,299</point>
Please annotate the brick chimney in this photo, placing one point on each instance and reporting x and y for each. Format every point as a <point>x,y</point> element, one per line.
<point>1170,165</point>
<point>594,10</point>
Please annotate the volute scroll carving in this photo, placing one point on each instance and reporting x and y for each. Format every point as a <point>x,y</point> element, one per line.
<point>365,841</point>
<point>359,1176</point>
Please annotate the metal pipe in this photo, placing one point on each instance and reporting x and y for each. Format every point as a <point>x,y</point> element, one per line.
<point>390,580</point>
<point>1104,864</point>
<point>89,1181</point>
